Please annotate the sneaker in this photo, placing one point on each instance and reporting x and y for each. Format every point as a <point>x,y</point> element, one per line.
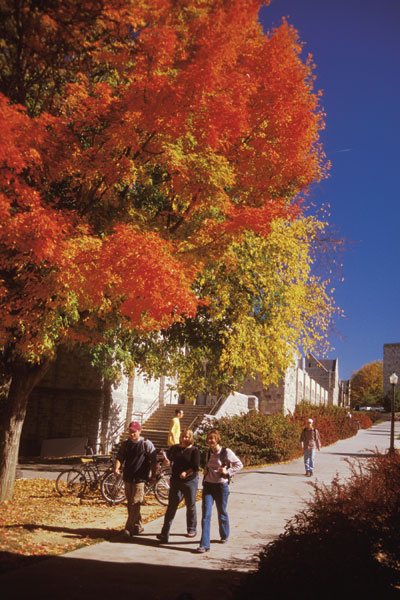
<point>201,550</point>
<point>190,534</point>
<point>162,538</point>
<point>224,541</point>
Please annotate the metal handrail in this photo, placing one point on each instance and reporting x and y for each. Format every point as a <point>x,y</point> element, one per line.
<point>213,409</point>
<point>140,415</point>
<point>217,404</point>
<point>149,411</point>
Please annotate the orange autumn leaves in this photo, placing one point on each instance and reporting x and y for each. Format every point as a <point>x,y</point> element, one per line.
<point>90,237</point>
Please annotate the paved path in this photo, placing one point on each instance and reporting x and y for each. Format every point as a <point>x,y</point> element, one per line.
<point>261,502</point>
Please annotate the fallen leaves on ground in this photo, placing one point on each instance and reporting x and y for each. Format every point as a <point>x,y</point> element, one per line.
<point>38,522</point>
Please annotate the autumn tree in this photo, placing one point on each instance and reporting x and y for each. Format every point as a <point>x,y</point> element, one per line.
<point>140,142</point>
<point>367,384</point>
<point>262,303</point>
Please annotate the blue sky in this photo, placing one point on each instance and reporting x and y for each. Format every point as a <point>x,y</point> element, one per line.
<point>356,48</point>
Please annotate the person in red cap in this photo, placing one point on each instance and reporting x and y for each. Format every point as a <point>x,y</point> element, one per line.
<point>138,457</point>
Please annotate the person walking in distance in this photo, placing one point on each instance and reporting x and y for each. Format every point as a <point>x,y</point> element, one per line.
<point>221,464</point>
<point>185,460</point>
<point>175,428</point>
<point>310,440</point>
<point>139,458</point>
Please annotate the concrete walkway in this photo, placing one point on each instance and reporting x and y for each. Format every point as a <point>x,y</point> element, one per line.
<point>261,502</point>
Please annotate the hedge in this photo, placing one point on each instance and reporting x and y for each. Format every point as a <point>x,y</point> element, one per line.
<point>263,439</point>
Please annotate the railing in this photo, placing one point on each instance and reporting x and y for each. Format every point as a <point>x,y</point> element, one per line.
<point>143,416</point>
<point>211,411</point>
<point>217,405</point>
<point>136,416</point>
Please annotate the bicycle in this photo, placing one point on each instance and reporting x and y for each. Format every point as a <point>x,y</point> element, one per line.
<point>77,480</point>
<point>112,486</point>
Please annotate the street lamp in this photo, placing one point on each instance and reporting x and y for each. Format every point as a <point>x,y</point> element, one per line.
<point>393,380</point>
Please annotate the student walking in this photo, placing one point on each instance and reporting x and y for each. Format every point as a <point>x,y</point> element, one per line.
<point>222,463</point>
<point>310,440</point>
<point>185,460</point>
<point>139,458</point>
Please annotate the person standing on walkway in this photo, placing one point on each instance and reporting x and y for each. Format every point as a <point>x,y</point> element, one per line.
<point>310,440</point>
<point>175,428</point>
<point>222,463</point>
<point>185,460</point>
<point>139,458</point>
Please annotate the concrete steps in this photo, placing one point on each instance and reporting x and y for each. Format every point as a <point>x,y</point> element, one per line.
<point>157,426</point>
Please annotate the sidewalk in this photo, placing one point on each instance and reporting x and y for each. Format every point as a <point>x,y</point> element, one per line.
<point>261,502</point>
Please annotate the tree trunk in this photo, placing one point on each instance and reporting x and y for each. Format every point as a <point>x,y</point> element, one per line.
<point>24,378</point>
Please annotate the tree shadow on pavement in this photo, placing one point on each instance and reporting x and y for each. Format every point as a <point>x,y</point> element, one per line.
<point>297,474</point>
<point>81,532</point>
<point>67,578</point>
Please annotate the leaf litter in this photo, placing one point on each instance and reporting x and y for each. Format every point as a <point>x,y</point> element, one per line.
<point>38,522</point>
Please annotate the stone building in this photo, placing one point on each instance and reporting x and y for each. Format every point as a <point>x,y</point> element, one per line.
<point>309,379</point>
<point>74,406</point>
<point>391,364</point>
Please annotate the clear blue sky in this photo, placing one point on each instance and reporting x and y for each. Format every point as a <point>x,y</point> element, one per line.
<point>356,47</point>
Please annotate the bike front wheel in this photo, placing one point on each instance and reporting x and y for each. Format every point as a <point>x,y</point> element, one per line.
<point>71,482</point>
<point>161,490</point>
<point>112,489</point>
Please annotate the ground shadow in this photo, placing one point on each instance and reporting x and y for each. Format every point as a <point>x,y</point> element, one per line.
<point>67,578</point>
<point>10,561</point>
<point>278,473</point>
<point>83,532</point>
<point>352,454</point>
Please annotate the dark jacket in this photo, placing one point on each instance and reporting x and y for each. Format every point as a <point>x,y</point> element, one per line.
<point>183,459</point>
<point>137,458</point>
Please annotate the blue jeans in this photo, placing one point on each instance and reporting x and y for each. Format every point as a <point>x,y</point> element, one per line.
<point>309,454</point>
<point>181,489</point>
<point>220,493</point>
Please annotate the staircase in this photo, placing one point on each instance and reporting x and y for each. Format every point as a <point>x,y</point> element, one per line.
<point>156,428</point>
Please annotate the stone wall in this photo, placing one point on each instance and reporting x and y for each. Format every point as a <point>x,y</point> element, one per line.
<point>296,386</point>
<point>74,401</point>
<point>69,402</point>
<point>326,374</point>
<point>236,404</point>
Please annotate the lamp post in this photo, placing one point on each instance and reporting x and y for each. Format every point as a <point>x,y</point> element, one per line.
<point>393,380</point>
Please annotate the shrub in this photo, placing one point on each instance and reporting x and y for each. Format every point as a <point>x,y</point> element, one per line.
<point>259,439</point>
<point>332,422</point>
<point>346,541</point>
<point>256,438</point>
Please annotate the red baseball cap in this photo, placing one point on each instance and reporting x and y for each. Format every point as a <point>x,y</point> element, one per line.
<point>135,426</point>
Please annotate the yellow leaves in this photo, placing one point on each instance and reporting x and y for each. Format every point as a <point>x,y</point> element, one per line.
<point>276,305</point>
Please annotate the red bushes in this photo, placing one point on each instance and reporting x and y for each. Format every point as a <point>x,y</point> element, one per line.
<point>332,422</point>
<point>346,543</point>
